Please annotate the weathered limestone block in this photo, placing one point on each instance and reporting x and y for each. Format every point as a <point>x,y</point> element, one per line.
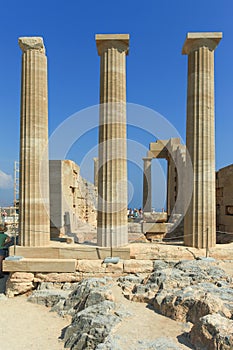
<point>19,283</point>
<point>154,227</point>
<point>18,288</point>
<point>134,266</point>
<point>58,277</point>
<point>142,251</point>
<point>40,265</point>
<point>155,217</point>
<point>134,227</point>
<point>114,268</point>
<point>90,266</point>
<point>22,277</point>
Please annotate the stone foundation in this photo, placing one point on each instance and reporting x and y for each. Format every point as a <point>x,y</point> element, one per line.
<point>26,274</point>
<point>23,282</point>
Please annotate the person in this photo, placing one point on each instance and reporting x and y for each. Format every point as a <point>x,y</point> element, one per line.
<point>4,239</point>
<point>140,212</point>
<point>4,216</point>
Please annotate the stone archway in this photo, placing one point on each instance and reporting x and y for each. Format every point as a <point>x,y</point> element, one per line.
<point>158,224</point>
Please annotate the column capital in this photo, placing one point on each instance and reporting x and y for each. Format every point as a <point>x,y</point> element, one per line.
<point>147,159</point>
<point>196,40</point>
<point>31,43</point>
<point>107,41</point>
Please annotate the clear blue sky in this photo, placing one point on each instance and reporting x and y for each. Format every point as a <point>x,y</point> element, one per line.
<point>156,70</point>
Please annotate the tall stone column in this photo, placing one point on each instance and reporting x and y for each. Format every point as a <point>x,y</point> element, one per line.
<point>112,221</point>
<point>171,184</point>
<point>96,170</point>
<point>34,223</point>
<point>147,186</point>
<point>200,220</point>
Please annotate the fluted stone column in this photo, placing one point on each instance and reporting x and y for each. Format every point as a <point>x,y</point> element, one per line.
<point>112,221</point>
<point>96,170</point>
<point>34,223</point>
<point>147,185</point>
<point>200,220</point>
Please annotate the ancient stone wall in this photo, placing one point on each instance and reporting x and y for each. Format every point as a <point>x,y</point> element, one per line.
<point>72,198</point>
<point>224,199</point>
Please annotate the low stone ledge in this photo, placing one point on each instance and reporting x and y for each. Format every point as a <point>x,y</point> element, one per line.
<point>59,250</point>
<point>40,265</point>
<point>155,251</point>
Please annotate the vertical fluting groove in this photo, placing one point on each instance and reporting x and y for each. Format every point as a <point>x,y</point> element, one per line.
<point>30,151</point>
<point>34,63</point>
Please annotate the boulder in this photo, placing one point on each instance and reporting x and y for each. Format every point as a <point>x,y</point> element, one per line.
<point>48,297</point>
<point>212,332</point>
<point>91,326</point>
<point>190,303</point>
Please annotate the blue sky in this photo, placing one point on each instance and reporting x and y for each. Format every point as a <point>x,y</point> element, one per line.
<point>156,70</point>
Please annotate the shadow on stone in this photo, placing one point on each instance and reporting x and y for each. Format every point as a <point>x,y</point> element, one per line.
<point>63,331</point>
<point>184,340</point>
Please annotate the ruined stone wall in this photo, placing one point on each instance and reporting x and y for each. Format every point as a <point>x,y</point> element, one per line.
<point>224,199</point>
<point>72,198</point>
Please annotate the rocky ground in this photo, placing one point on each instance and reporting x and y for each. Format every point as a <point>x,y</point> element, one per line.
<point>180,305</point>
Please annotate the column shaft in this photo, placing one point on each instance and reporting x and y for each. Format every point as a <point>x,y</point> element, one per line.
<point>34,223</point>
<point>147,186</point>
<point>171,185</point>
<point>112,221</point>
<point>96,170</point>
<point>200,220</point>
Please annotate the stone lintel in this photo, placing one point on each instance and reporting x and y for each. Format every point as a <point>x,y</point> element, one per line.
<point>31,43</point>
<point>196,40</point>
<point>111,40</point>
